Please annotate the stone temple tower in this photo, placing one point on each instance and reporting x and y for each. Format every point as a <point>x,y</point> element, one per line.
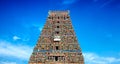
<point>57,43</point>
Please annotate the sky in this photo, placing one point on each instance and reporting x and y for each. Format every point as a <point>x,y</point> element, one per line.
<point>96,24</point>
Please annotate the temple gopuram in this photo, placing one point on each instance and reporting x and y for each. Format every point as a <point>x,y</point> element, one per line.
<point>57,43</point>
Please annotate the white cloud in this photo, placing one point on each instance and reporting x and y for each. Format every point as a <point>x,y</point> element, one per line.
<point>17,51</point>
<point>66,2</point>
<point>23,52</point>
<point>40,28</point>
<point>16,38</point>
<point>92,58</point>
<point>8,63</point>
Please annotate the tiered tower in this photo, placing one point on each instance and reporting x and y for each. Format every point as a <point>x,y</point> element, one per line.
<point>57,43</point>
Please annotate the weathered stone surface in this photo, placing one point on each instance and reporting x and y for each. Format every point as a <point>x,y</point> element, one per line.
<point>57,43</point>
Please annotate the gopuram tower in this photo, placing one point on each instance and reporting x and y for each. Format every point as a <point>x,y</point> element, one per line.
<point>57,43</point>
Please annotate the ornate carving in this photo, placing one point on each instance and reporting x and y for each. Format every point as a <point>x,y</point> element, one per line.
<point>64,51</point>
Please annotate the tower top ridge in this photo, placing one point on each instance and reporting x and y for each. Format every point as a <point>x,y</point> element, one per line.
<point>59,11</point>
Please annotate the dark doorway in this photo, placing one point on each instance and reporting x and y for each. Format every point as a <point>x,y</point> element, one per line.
<point>57,32</point>
<point>57,48</point>
<point>56,58</point>
<point>57,26</point>
<point>58,22</point>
